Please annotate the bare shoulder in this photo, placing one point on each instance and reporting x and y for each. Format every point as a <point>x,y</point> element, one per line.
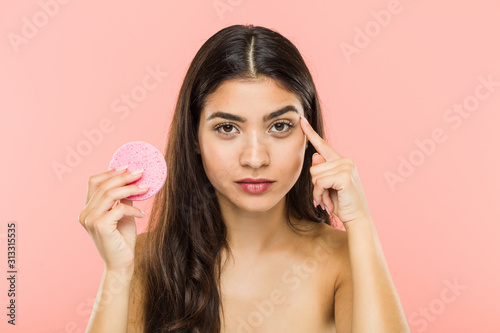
<point>326,244</point>
<point>334,242</point>
<point>136,299</point>
<point>342,290</point>
<point>335,239</point>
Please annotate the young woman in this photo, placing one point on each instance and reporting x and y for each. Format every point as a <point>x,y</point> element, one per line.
<point>240,237</point>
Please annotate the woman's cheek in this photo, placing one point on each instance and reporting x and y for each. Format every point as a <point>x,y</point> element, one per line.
<point>291,148</point>
<point>220,166</point>
<point>288,159</point>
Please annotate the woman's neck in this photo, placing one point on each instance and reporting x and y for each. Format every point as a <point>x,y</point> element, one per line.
<point>253,232</point>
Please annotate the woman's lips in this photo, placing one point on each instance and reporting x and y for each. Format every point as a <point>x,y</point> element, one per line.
<point>255,188</point>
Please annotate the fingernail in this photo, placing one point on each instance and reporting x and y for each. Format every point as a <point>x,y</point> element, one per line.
<point>315,203</point>
<point>143,186</point>
<point>143,212</point>
<point>301,116</point>
<point>136,172</point>
<point>123,167</point>
<point>323,206</point>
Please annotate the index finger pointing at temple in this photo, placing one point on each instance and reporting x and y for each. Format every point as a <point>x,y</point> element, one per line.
<point>318,142</point>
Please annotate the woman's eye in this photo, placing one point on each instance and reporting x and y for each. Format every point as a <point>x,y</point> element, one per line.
<point>224,127</point>
<point>281,126</point>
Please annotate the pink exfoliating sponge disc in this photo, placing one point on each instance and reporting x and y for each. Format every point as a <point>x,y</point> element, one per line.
<point>142,155</point>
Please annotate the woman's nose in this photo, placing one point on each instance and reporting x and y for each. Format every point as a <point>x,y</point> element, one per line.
<point>255,152</point>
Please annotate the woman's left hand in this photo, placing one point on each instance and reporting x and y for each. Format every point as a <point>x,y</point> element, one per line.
<point>336,181</point>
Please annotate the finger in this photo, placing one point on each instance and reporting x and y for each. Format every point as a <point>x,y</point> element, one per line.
<point>96,180</point>
<point>326,168</point>
<point>113,182</point>
<point>327,202</point>
<point>110,197</point>
<point>317,159</point>
<point>332,179</point>
<point>324,165</point>
<point>321,166</point>
<point>335,201</point>
<point>108,223</point>
<point>318,164</point>
<point>318,142</point>
<point>127,226</point>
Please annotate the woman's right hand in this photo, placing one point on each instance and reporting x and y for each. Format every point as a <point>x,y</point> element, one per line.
<point>112,227</point>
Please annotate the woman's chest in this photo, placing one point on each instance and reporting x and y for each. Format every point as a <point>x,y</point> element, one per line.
<point>287,295</point>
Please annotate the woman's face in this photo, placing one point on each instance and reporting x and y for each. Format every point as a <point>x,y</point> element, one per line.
<point>242,136</point>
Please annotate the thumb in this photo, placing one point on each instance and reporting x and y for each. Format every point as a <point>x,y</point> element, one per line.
<point>317,159</point>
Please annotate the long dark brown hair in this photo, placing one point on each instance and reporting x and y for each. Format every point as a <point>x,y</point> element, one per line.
<point>186,233</point>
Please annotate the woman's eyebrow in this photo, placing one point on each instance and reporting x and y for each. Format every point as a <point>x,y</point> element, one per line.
<point>267,117</point>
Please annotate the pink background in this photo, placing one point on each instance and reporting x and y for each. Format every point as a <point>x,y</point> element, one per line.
<point>439,224</point>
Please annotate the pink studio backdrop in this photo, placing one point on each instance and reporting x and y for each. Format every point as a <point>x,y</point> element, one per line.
<point>410,91</point>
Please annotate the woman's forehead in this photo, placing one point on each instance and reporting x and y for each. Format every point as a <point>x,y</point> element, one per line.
<point>250,99</point>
